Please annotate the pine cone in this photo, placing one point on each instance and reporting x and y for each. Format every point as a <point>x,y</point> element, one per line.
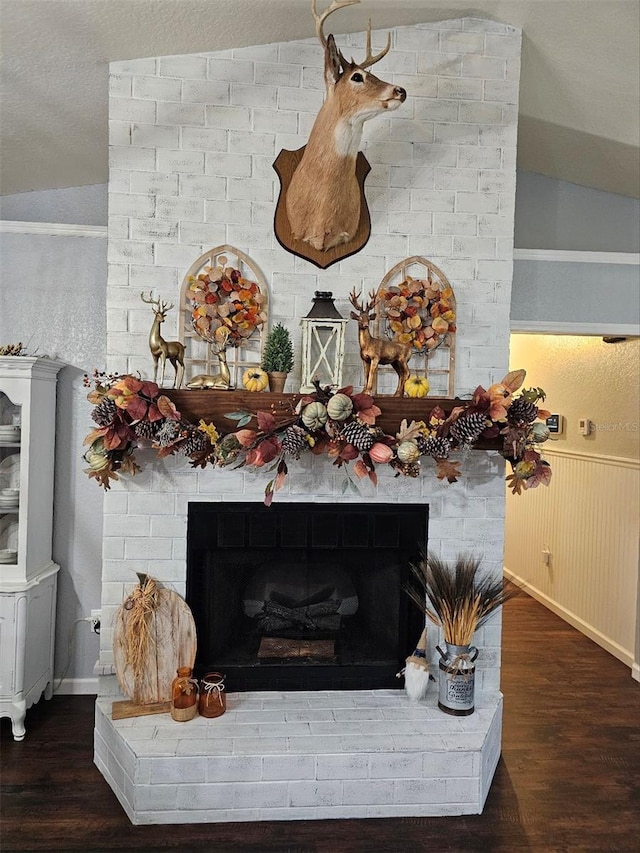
<point>467,428</point>
<point>521,411</point>
<point>146,429</point>
<point>195,442</point>
<point>359,435</point>
<point>437,447</point>
<point>168,433</point>
<point>104,412</point>
<point>294,440</point>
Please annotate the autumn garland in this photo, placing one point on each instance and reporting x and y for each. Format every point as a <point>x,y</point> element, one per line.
<point>131,413</point>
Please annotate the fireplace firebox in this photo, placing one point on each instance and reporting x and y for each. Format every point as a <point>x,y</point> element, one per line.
<point>304,596</point>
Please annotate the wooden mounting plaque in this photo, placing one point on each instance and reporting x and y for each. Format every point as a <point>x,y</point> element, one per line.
<point>285,165</point>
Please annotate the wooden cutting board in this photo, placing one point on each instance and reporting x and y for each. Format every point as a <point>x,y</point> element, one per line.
<point>172,644</point>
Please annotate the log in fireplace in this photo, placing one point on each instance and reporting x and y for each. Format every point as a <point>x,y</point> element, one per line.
<point>303,596</point>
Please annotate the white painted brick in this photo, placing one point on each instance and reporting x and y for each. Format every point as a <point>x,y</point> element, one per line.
<point>503,90</point>
<point>356,792</point>
<point>288,767</point>
<point>478,157</point>
<point>194,67</point>
<point>488,269</point>
<point>118,227</point>
<point>487,68</point>
<point>495,136</point>
<point>197,232</point>
<point>119,132</point>
<point>253,143</point>
<point>268,121</point>
<point>420,40</point>
<point>302,53</point>
<point>462,89</point>
<point>230,118</point>
<point>256,53</point>
<point>476,202</point>
<point>135,159</point>
<point>152,183</point>
<point>278,74</point>
<point>141,548</point>
<point>153,229</point>
<point>230,70</point>
<point>436,109</point>
<point>300,100</point>
<point>419,791</point>
<point>204,139</point>
<point>342,766</point>
<point>174,160</point>
<point>205,92</point>
<point>181,114</point>
<point>157,88</point>
<point>317,793</point>
<point>507,45</point>
<point>253,96</point>
<point>201,186</point>
<point>462,42</point>
<point>180,207</point>
<point>130,109</point>
<point>216,210</point>
<point>228,165</point>
<point>131,204</point>
<point>170,255</point>
<point>454,224</point>
<point>120,85</point>
<point>208,796</point>
<point>156,797</point>
<point>129,252</point>
<point>126,525</point>
<point>457,133</point>
<point>495,226</point>
<point>483,113</point>
<point>168,771</point>
<point>405,176</point>
<point>455,179</point>
<point>234,768</point>
<point>147,277</point>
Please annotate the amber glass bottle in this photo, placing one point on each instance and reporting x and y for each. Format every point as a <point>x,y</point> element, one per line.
<point>184,695</point>
<point>213,699</point>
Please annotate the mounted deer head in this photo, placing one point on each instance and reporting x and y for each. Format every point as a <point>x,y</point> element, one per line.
<point>375,351</point>
<point>323,198</point>
<point>162,350</point>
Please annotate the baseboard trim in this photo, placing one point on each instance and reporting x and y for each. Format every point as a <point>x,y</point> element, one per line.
<point>77,687</point>
<point>635,671</point>
<point>575,621</point>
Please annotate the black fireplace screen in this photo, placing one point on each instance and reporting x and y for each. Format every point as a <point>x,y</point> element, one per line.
<point>303,596</point>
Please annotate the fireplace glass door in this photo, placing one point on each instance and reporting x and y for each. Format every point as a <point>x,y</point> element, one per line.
<point>303,596</point>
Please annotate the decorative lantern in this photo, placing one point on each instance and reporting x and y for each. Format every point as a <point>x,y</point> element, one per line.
<point>323,332</point>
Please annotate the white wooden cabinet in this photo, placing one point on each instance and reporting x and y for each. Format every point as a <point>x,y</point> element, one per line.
<point>28,575</point>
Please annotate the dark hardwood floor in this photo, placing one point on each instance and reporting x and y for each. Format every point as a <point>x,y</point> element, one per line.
<point>568,779</point>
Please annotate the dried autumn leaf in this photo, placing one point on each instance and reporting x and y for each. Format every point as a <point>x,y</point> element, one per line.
<point>514,379</point>
<point>166,408</point>
<point>447,470</point>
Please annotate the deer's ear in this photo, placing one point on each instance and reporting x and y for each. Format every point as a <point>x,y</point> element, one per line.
<point>354,316</point>
<point>372,317</point>
<point>332,66</point>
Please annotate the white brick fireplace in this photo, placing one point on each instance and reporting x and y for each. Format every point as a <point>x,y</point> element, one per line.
<point>193,139</point>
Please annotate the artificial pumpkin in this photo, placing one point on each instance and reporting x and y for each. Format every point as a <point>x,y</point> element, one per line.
<point>407,452</point>
<point>314,416</point>
<point>416,386</point>
<point>255,379</point>
<point>339,407</point>
<point>380,453</point>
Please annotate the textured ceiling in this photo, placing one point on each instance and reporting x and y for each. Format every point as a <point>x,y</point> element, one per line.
<point>579,97</point>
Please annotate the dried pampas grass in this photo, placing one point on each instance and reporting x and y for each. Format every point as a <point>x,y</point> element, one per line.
<point>455,598</point>
<point>139,606</point>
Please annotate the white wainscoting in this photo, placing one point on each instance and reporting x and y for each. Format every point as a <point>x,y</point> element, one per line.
<point>588,518</point>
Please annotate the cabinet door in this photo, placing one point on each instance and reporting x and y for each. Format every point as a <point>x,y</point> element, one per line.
<point>7,644</point>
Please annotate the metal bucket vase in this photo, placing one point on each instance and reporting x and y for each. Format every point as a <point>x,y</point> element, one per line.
<point>456,688</point>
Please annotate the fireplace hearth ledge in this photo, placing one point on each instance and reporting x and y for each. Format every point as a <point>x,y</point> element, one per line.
<point>302,756</point>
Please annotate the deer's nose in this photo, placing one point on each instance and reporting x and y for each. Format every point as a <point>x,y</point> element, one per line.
<point>400,93</point>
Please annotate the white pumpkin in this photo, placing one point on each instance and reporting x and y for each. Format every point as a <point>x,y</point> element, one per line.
<point>339,407</point>
<point>407,452</point>
<point>314,416</point>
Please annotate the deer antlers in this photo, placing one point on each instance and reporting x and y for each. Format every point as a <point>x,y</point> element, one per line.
<point>371,304</point>
<point>370,59</point>
<point>162,307</point>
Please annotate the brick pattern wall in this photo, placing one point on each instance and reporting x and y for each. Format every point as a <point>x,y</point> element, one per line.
<point>192,142</point>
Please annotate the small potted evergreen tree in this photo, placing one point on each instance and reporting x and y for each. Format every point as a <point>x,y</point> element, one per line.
<point>277,359</point>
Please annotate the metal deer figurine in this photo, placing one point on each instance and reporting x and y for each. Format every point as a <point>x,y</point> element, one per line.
<point>375,351</point>
<point>162,350</point>
<point>323,198</point>
<point>215,381</point>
